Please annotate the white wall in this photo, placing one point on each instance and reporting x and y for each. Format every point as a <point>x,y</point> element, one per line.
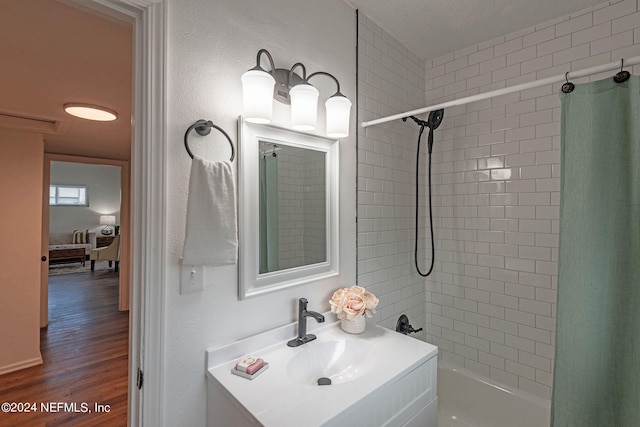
<point>210,45</point>
<point>391,80</point>
<point>103,188</point>
<point>491,303</point>
<point>21,157</point>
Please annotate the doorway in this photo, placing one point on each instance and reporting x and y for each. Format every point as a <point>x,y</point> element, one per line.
<point>84,215</point>
<point>102,205</point>
<point>57,55</point>
<point>85,348</point>
<point>147,20</point>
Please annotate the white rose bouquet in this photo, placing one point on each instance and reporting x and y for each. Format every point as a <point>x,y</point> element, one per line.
<point>349,303</point>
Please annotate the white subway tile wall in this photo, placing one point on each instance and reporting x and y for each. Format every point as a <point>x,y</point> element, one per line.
<point>391,80</point>
<point>290,209</point>
<point>315,207</point>
<point>301,207</point>
<point>490,303</point>
<point>496,174</point>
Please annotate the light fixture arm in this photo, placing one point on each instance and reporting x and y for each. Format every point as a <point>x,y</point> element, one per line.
<point>286,86</point>
<point>338,93</point>
<point>269,57</point>
<point>291,73</point>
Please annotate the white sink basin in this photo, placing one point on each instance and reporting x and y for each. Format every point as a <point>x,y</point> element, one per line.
<point>341,361</point>
<point>369,373</point>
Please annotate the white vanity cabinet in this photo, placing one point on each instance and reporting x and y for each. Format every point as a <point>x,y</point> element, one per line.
<point>410,400</point>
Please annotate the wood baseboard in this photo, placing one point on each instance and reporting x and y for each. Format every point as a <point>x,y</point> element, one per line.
<point>21,365</point>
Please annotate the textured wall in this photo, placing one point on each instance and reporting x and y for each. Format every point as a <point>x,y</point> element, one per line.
<point>491,303</point>
<point>391,80</point>
<point>209,46</point>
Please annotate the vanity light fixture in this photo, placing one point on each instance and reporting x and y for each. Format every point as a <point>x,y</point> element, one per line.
<point>260,86</point>
<point>90,112</point>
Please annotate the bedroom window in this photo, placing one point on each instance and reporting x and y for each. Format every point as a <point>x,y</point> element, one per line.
<point>68,195</point>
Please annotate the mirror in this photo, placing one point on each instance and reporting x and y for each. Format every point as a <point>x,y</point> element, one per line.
<point>288,205</point>
<point>291,206</point>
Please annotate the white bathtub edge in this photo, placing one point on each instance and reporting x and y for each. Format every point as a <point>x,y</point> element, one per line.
<point>532,398</point>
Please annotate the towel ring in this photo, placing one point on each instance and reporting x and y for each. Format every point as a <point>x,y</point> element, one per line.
<point>203,128</point>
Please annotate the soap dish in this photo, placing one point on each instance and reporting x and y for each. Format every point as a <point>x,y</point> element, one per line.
<point>255,374</point>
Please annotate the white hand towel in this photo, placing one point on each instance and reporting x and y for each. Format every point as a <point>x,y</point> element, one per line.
<point>212,231</point>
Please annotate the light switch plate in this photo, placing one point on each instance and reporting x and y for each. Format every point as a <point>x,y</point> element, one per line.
<point>192,279</point>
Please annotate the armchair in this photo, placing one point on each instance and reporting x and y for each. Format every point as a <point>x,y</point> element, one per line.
<point>108,253</point>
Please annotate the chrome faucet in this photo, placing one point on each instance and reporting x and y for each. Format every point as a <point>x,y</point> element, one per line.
<point>303,337</point>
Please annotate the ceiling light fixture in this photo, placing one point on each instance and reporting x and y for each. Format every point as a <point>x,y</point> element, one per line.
<point>260,87</point>
<point>90,112</point>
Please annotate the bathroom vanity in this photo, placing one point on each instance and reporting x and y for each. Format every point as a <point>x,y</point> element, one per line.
<point>378,378</point>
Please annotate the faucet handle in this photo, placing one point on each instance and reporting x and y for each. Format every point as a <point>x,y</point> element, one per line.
<point>302,303</point>
<point>404,327</point>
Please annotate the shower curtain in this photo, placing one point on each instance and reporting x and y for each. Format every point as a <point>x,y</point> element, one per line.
<point>597,361</point>
<point>268,175</point>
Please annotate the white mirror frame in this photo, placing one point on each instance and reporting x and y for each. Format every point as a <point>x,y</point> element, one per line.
<point>251,282</point>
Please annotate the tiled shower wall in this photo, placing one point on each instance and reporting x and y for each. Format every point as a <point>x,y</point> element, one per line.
<point>301,207</point>
<point>391,80</point>
<point>491,301</point>
<point>290,209</point>
<point>314,205</point>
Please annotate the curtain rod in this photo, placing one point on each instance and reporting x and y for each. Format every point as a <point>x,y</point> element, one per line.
<point>517,88</point>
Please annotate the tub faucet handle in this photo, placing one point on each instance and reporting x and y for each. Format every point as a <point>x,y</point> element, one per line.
<point>404,327</point>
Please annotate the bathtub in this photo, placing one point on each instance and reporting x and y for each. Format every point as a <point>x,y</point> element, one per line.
<point>466,399</point>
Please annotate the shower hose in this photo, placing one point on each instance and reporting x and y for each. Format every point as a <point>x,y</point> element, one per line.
<point>434,120</point>
<point>415,248</point>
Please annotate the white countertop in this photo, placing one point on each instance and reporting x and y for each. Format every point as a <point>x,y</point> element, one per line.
<point>275,399</point>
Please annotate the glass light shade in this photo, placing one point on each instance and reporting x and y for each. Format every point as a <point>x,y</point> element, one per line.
<point>338,112</point>
<point>257,96</point>
<point>90,112</point>
<point>304,106</point>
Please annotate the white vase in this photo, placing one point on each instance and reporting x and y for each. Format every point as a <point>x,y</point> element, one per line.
<point>356,326</point>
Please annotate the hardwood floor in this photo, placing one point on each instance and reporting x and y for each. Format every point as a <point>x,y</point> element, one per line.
<point>85,350</point>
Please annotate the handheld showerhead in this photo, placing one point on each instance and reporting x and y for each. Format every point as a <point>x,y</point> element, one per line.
<point>435,118</point>
<point>433,121</point>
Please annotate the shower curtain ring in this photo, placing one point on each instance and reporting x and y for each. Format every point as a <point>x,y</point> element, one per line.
<point>621,76</point>
<point>568,86</point>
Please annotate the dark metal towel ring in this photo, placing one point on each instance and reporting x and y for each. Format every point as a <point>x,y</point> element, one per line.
<point>622,76</point>
<point>203,128</point>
